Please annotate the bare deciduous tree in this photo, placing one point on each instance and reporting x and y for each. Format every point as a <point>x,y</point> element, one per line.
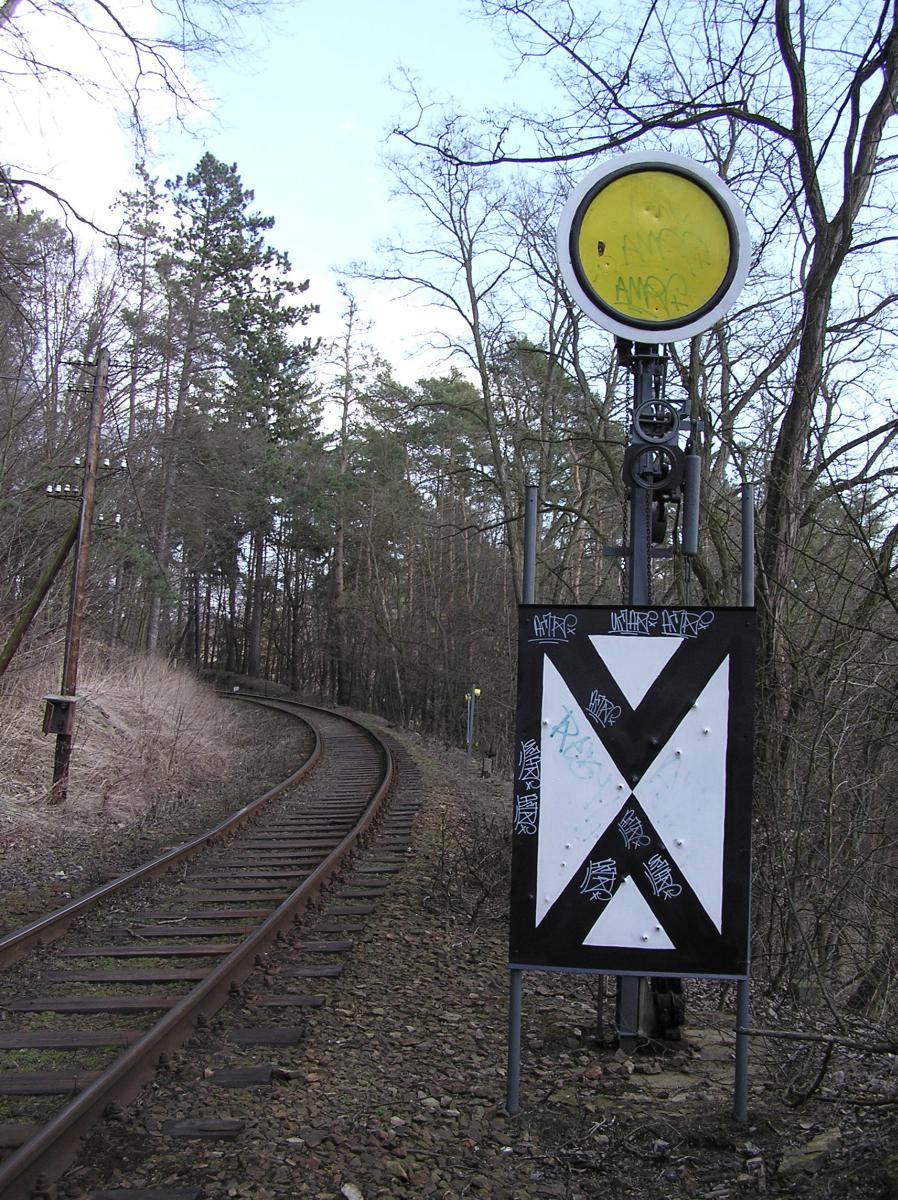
<point>124,60</point>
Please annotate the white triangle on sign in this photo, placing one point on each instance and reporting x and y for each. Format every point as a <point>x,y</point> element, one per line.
<point>684,792</point>
<point>627,921</point>
<point>581,790</point>
<point>635,662</point>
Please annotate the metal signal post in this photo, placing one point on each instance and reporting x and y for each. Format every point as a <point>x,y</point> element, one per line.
<point>651,466</point>
<point>654,248</point>
<point>471,698</point>
<point>627,248</point>
<point>656,470</point>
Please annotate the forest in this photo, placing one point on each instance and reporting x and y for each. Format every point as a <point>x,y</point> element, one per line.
<point>277,507</point>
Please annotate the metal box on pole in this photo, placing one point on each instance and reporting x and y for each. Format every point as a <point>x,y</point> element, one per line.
<point>59,714</point>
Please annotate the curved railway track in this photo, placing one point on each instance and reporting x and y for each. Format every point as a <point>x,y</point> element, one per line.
<point>231,897</point>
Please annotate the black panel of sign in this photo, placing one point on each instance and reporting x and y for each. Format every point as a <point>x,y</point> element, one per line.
<point>631,849</point>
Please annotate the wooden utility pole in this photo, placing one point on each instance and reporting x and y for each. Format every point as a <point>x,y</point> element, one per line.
<point>65,740</point>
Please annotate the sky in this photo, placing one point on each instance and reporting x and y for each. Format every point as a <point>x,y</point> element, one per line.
<point>305,112</point>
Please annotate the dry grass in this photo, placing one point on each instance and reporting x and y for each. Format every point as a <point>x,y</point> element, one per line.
<point>146,735</point>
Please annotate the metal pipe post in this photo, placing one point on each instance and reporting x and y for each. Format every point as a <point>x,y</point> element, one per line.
<point>516,982</point>
<point>748,545</point>
<point>640,497</point>
<point>639,590</point>
<point>531,497</point>
<point>743,987</point>
<point>513,1080</point>
<point>640,545</point>
<point>743,1017</point>
<point>632,990</point>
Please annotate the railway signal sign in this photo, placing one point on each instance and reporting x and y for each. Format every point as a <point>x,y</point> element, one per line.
<point>654,247</point>
<point>632,819</point>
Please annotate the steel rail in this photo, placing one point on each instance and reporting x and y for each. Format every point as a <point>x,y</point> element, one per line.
<point>55,1145</point>
<point>15,944</point>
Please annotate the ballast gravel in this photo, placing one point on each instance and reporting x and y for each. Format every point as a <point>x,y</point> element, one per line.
<point>396,1088</point>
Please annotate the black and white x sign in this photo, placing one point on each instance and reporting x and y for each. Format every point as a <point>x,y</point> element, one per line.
<point>632,806</point>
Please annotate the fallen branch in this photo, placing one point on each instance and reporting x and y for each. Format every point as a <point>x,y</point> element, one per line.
<point>796,1099</point>
<point>793,1035</point>
<point>862,1101</point>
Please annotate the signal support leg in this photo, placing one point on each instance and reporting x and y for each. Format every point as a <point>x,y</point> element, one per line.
<point>513,1082</point>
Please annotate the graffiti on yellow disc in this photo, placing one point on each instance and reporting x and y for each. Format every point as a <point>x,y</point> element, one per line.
<point>653,246</point>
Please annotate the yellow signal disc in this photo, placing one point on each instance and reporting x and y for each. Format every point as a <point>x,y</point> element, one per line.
<point>652,247</point>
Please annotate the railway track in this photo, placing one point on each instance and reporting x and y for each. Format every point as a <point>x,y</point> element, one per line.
<point>149,959</point>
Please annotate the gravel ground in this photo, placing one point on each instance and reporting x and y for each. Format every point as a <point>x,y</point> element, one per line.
<point>396,1089</point>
